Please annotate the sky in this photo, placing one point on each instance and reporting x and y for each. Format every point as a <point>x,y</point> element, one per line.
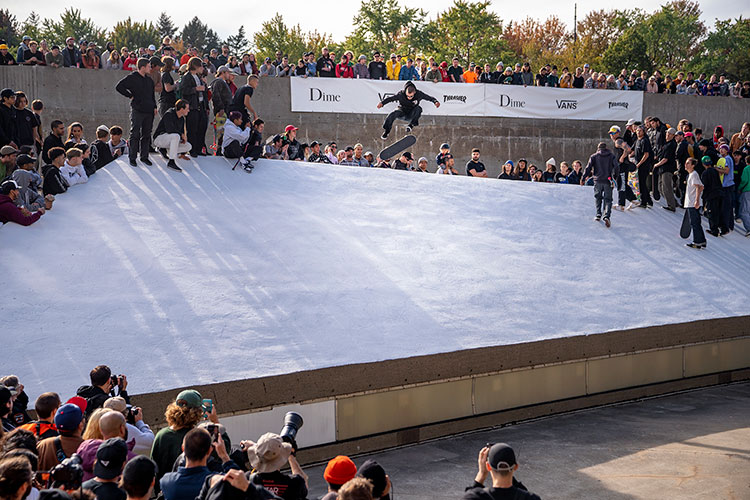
<point>334,16</point>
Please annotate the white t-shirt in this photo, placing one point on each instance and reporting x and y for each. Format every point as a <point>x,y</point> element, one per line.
<point>693,181</point>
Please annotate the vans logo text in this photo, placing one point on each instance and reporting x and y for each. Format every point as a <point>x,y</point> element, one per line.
<point>566,103</point>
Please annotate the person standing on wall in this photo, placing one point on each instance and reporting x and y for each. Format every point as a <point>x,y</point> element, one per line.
<point>193,90</point>
<point>139,88</point>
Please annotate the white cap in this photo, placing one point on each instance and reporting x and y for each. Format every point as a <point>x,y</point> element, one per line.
<point>552,162</point>
<point>103,127</point>
<point>152,47</point>
<point>422,159</point>
<point>630,122</point>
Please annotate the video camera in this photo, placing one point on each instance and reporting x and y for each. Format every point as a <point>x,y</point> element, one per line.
<point>68,474</point>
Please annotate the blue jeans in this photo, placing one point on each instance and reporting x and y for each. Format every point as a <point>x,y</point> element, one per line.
<point>745,209</point>
<point>603,196</point>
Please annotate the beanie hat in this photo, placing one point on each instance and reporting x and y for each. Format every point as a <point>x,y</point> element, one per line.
<point>374,472</point>
<point>339,470</point>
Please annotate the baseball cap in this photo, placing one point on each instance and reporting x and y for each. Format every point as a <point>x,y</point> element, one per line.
<point>602,145</point>
<point>368,153</point>
<point>26,37</point>
<point>314,143</point>
<point>586,65</point>
<point>24,160</point>
<point>139,470</point>
<point>152,47</point>
<point>348,148</point>
<point>80,402</point>
<point>7,93</point>
<point>445,145</point>
<point>116,403</point>
<point>68,417</point>
<point>706,160</point>
<point>688,134</point>
<point>672,130</point>
<point>110,457</point>
<point>614,129</point>
<point>289,128</point>
<point>102,127</point>
<point>189,398</point>
<point>3,46</point>
<point>13,185</point>
<point>408,156</point>
<point>339,470</point>
<point>501,457</point>
<point>221,69</point>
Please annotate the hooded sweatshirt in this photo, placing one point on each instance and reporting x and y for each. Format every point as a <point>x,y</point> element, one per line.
<point>406,104</point>
<point>74,175</point>
<point>603,166</point>
<point>9,212</point>
<point>29,197</point>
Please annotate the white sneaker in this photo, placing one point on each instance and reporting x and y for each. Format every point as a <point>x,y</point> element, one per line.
<point>632,205</point>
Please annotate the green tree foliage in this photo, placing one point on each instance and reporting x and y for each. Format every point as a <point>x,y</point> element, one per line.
<point>72,24</point>
<point>386,26</point>
<point>9,28</point>
<point>199,35</point>
<point>165,26</point>
<point>32,27</point>
<point>469,31</point>
<point>238,44</point>
<point>596,31</point>
<point>276,35</point>
<point>538,42</point>
<point>133,34</point>
<point>726,50</point>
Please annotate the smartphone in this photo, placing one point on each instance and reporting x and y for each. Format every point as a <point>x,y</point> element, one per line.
<point>208,406</point>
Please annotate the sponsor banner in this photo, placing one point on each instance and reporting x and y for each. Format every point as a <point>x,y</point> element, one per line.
<point>345,95</point>
<point>563,104</point>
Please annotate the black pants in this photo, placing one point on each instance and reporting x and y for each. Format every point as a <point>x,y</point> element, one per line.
<point>655,183</point>
<point>715,222</point>
<point>644,175</point>
<point>196,123</point>
<point>410,116</point>
<point>626,194</point>
<point>695,224</point>
<point>235,150</point>
<point>140,133</point>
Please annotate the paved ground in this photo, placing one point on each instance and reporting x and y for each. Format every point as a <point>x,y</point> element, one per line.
<point>694,445</point>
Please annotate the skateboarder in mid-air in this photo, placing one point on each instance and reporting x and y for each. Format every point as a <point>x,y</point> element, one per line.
<point>408,107</point>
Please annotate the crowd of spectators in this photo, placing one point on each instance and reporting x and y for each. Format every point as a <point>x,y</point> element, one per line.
<point>96,446</point>
<point>88,55</point>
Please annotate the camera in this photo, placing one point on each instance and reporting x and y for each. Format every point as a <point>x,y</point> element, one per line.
<point>293,421</point>
<point>68,474</point>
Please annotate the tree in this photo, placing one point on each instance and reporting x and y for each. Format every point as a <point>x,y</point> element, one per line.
<point>72,24</point>
<point>386,26</point>
<point>200,36</point>
<point>165,26</point>
<point>676,32</point>
<point>276,35</point>
<point>469,31</point>
<point>9,28</point>
<point>130,33</point>
<point>538,42</point>
<point>31,26</point>
<point>595,33</point>
<point>725,50</point>
<point>238,44</point>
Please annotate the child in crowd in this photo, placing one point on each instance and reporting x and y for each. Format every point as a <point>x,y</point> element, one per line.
<point>101,154</point>
<point>54,183</point>
<point>117,145</point>
<point>75,135</point>
<point>73,171</point>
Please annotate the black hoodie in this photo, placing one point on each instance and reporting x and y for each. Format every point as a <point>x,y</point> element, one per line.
<point>406,104</point>
<point>95,397</point>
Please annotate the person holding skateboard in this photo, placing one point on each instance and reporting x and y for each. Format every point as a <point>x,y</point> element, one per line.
<point>408,107</point>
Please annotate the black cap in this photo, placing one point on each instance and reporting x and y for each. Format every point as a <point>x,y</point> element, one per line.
<point>139,471</point>
<point>54,494</point>
<point>24,160</point>
<point>314,143</point>
<point>445,145</point>
<point>408,156</point>
<point>501,457</point>
<point>7,93</point>
<point>110,457</point>
<point>349,148</point>
<point>375,473</point>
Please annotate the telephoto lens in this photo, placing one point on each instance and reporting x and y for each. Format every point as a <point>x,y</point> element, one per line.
<point>292,423</point>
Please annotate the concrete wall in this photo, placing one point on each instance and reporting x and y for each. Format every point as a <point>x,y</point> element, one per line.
<point>88,96</point>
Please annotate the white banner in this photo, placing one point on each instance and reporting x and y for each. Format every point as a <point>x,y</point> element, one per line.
<point>563,104</point>
<point>344,95</point>
<point>347,95</point>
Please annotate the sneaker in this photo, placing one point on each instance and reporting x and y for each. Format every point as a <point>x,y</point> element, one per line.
<point>632,205</point>
<point>695,245</point>
<point>621,208</point>
<point>173,165</point>
<point>384,136</point>
<point>408,129</point>
<point>598,218</point>
<point>713,233</point>
<point>146,161</point>
<point>133,163</point>
<point>163,152</point>
<point>248,168</point>
<point>607,222</point>
<point>670,209</point>
<point>724,233</point>
<point>194,155</point>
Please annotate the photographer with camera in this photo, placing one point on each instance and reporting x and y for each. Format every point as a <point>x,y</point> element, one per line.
<point>499,460</point>
<point>53,450</point>
<point>15,478</point>
<point>267,457</point>
<point>198,446</point>
<point>110,460</point>
<point>103,385</point>
<point>140,437</point>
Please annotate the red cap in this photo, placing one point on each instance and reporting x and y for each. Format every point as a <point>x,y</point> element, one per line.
<point>79,402</point>
<point>340,470</point>
<point>289,128</point>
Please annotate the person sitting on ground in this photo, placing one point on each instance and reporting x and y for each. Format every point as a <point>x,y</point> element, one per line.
<point>45,406</point>
<point>54,183</point>
<point>447,165</point>
<point>357,488</point>
<point>550,171</point>
<point>474,167</point>
<point>138,478</point>
<point>112,424</point>
<point>117,145</point>
<point>375,474</point>
<point>69,422</point>
<point>102,384</point>
<point>101,154</point>
<point>187,480</point>
<point>9,212</point>
<point>29,181</point>
<point>500,461</point>
<point>236,137</point>
<point>182,415</point>
<point>140,437</point>
<point>316,156</point>
<point>170,135</point>
<point>111,457</point>
<point>338,472</point>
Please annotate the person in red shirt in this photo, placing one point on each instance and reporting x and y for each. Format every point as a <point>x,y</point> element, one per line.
<point>9,212</point>
<point>130,63</point>
<point>343,70</point>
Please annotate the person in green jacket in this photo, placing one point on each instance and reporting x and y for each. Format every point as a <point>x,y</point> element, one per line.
<point>744,191</point>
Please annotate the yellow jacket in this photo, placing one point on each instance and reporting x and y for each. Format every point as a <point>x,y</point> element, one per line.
<point>392,69</point>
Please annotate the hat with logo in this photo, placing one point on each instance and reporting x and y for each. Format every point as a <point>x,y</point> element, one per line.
<point>189,398</point>
<point>24,160</point>
<point>501,457</point>
<point>614,129</point>
<point>289,128</point>
<point>339,470</point>
<point>706,160</point>
<point>552,162</point>
<point>68,417</point>
<point>110,457</point>
<point>80,402</point>
<point>269,454</point>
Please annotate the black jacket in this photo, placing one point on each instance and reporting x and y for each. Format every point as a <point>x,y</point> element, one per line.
<point>405,103</point>
<point>221,96</point>
<point>95,397</point>
<point>51,141</point>
<point>188,92</point>
<point>669,151</point>
<point>602,166</point>
<point>170,124</point>
<point>54,183</point>
<point>71,56</point>
<point>8,125</point>
<point>140,90</point>
<point>100,154</point>
<point>711,184</point>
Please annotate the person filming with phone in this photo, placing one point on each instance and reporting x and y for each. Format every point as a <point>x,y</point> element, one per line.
<point>103,385</point>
